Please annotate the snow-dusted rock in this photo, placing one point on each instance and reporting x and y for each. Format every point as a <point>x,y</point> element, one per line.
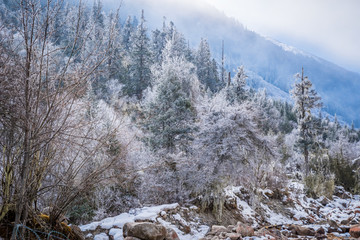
<point>216,229</point>
<point>145,230</point>
<point>244,230</point>
<point>233,236</point>
<point>171,234</point>
<point>302,231</point>
<point>355,231</point>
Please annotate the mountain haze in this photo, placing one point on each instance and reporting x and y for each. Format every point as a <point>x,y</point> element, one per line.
<point>267,59</point>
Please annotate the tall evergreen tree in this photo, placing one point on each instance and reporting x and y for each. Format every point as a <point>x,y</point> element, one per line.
<point>140,58</point>
<point>170,111</point>
<point>127,31</point>
<point>306,99</point>
<point>204,65</point>
<point>98,18</point>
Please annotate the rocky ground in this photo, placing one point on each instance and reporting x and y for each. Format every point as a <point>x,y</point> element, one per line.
<point>285,214</point>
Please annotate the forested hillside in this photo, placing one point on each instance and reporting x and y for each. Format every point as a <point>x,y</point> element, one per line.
<point>269,61</point>
<point>100,116</point>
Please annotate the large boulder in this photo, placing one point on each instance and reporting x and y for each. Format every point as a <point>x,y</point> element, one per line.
<point>320,234</point>
<point>302,231</point>
<point>233,236</point>
<point>217,229</point>
<point>171,235</point>
<point>355,231</point>
<point>77,233</point>
<point>244,230</point>
<point>145,231</point>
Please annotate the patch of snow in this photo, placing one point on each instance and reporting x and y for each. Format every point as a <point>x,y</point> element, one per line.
<point>246,210</point>
<point>89,227</point>
<point>296,187</point>
<point>180,219</point>
<point>196,233</point>
<point>146,213</point>
<point>264,191</point>
<point>275,218</point>
<point>116,233</point>
<point>101,236</point>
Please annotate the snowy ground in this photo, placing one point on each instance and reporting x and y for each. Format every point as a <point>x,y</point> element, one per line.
<point>115,224</point>
<point>296,209</point>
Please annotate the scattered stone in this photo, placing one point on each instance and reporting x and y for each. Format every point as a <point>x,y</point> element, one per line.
<point>346,221</point>
<point>320,234</point>
<point>331,236</point>
<point>325,201</point>
<point>216,229</point>
<point>333,224</point>
<point>262,232</point>
<point>231,228</point>
<point>355,231</point>
<point>302,231</point>
<point>186,229</point>
<point>331,230</point>
<point>131,238</point>
<point>144,230</point>
<point>171,235</point>
<point>320,231</point>
<point>244,230</point>
<point>345,229</point>
<point>341,193</point>
<point>233,236</point>
<point>277,234</point>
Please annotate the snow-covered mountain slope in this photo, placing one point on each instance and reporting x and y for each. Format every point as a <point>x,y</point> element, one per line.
<point>274,62</point>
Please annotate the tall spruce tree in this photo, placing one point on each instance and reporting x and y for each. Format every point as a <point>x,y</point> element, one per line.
<point>140,58</point>
<point>306,99</point>
<point>170,111</point>
<point>126,33</point>
<point>204,66</point>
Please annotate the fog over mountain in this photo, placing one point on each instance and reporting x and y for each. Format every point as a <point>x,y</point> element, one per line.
<point>268,60</point>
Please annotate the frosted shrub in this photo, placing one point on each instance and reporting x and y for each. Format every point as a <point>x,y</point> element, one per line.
<point>320,181</point>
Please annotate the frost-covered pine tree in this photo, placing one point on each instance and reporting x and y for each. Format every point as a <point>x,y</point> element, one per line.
<point>127,30</point>
<point>170,108</point>
<point>99,19</point>
<point>240,78</point>
<point>236,91</point>
<point>140,58</point>
<point>306,99</point>
<point>204,65</point>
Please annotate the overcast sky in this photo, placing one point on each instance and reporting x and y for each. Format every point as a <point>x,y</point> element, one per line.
<point>327,28</point>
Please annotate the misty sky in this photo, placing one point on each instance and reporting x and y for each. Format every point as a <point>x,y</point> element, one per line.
<point>327,28</point>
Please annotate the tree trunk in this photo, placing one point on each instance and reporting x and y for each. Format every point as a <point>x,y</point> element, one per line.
<point>306,158</point>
